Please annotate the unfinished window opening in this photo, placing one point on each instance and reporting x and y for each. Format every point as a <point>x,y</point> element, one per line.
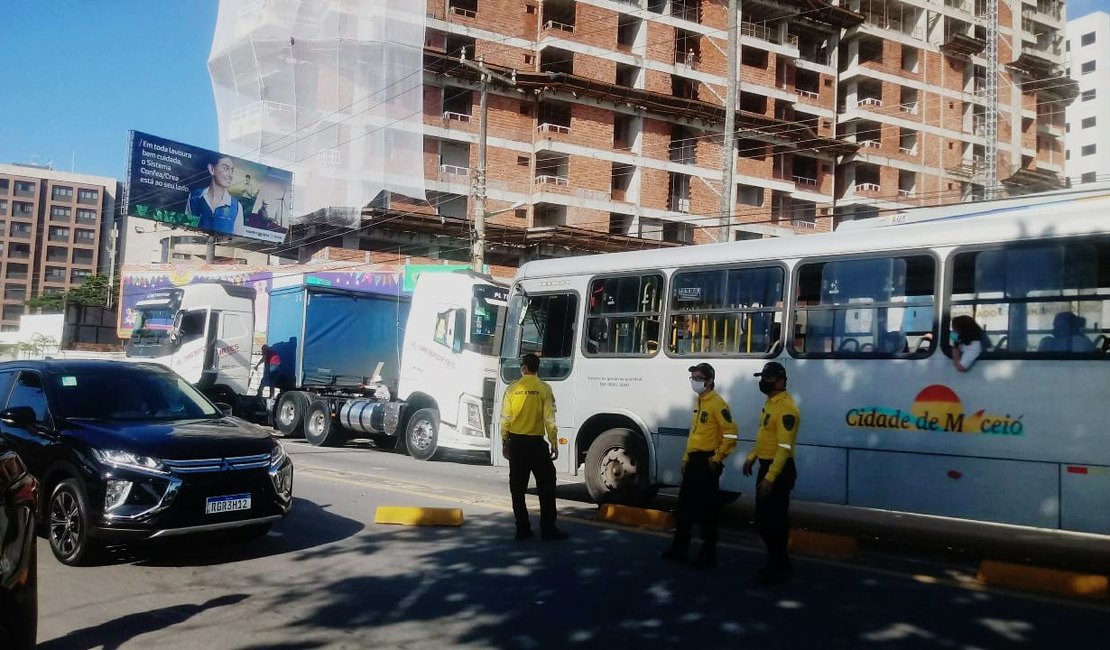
<point>687,10</point>
<point>687,47</point>
<point>907,141</point>
<point>466,8</point>
<point>907,100</point>
<point>553,59</point>
<point>807,83</point>
<point>454,158</point>
<point>679,193</point>
<point>869,94</point>
<point>869,134</point>
<point>907,183</point>
<point>752,149</point>
<point>909,59</point>
<point>867,178</point>
<point>620,224</point>
<point>456,44</point>
<point>627,75</point>
<point>559,15</point>
<point>870,50</point>
<point>549,214</point>
<point>683,145</point>
<point>753,58</point>
<point>450,205</point>
<point>805,172</point>
<point>554,117</point>
<point>552,168</point>
<point>621,181</point>
<point>628,30</point>
<point>457,103</point>
<point>753,103</point>
<point>624,127</point>
<point>749,195</point>
<point>683,87</point>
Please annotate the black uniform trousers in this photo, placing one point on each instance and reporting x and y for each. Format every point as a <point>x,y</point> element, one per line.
<point>699,499</point>
<point>772,513</point>
<point>530,455</point>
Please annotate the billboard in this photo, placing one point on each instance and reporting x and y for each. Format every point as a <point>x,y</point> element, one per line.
<point>187,186</point>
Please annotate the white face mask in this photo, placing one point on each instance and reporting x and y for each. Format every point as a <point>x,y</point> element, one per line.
<point>699,386</point>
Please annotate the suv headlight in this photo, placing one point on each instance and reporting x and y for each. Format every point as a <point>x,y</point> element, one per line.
<point>128,460</point>
<point>277,455</point>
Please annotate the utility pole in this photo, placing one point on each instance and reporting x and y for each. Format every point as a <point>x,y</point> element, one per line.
<point>990,116</point>
<point>730,123</point>
<point>478,187</point>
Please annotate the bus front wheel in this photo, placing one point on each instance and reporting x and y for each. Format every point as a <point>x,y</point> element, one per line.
<point>617,469</point>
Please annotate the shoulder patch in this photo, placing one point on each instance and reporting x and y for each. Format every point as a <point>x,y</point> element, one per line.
<point>789,421</point>
<point>726,415</point>
<point>704,417</point>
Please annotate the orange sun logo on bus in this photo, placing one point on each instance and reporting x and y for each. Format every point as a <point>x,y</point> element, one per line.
<point>936,408</point>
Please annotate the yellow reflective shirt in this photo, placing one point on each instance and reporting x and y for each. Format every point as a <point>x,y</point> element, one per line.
<point>778,430</point>
<point>529,409</point>
<point>711,428</point>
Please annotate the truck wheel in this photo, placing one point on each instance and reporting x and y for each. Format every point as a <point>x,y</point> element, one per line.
<point>319,428</point>
<point>422,434</point>
<point>617,469</point>
<point>289,413</point>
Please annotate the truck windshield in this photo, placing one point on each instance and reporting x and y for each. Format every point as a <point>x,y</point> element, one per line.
<point>151,335</point>
<point>487,314</point>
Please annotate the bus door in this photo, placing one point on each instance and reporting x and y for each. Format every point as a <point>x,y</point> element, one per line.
<point>544,324</point>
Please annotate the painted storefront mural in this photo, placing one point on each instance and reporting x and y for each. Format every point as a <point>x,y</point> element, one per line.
<point>140,281</point>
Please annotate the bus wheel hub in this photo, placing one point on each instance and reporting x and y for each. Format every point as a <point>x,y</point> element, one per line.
<point>617,468</point>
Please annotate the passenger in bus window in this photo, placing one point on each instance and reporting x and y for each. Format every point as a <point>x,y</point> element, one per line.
<point>968,342</point>
<point>712,439</point>
<point>774,449</point>
<point>1067,335</point>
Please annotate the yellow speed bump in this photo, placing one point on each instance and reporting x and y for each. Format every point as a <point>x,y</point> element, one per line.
<point>640,517</point>
<point>1052,581</point>
<point>841,547</point>
<point>402,516</point>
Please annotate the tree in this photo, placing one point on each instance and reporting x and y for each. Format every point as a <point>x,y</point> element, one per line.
<point>94,291</point>
<point>48,303</point>
<point>38,346</point>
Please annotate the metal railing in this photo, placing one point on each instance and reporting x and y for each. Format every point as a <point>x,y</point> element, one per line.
<point>867,187</point>
<point>805,180</point>
<point>549,179</point>
<point>454,170</point>
<point>869,101</point>
<point>548,127</point>
<point>873,144</point>
<point>808,94</point>
<point>558,26</point>
<point>458,117</point>
<point>764,33</point>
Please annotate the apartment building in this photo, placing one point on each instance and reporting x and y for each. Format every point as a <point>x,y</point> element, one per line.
<point>1088,117</point>
<point>607,116</point>
<point>51,229</point>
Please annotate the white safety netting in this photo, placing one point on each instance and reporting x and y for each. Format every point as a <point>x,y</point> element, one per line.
<point>329,89</point>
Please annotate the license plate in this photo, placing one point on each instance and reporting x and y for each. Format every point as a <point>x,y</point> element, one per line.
<point>229,503</point>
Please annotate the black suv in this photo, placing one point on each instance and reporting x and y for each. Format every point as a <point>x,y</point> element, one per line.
<point>127,451</point>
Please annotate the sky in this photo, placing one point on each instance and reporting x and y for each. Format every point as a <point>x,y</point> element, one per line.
<point>82,73</point>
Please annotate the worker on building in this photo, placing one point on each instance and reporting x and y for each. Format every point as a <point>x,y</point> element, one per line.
<point>774,449</point>
<point>527,416</point>
<point>712,439</point>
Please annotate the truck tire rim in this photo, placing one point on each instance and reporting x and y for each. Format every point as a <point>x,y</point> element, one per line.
<point>617,468</point>
<point>316,424</point>
<point>422,433</point>
<point>286,413</point>
<point>65,523</point>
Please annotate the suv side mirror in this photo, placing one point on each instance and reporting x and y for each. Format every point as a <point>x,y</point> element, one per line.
<point>19,416</point>
<point>225,409</point>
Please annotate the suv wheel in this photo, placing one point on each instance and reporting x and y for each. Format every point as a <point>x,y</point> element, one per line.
<point>68,523</point>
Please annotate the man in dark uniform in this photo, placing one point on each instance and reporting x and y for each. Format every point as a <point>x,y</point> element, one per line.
<point>527,414</point>
<point>712,439</point>
<point>774,449</point>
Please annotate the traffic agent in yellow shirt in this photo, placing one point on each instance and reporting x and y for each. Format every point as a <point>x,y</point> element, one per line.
<point>774,449</point>
<point>527,418</point>
<point>712,439</point>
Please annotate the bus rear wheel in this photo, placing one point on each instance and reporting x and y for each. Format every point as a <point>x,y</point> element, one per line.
<point>617,469</point>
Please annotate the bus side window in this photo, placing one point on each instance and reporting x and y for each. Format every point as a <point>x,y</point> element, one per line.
<point>726,312</point>
<point>546,328</point>
<point>623,314</point>
<point>1047,300</point>
<point>876,307</point>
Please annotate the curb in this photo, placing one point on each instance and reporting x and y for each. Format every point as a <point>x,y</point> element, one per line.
<point>639,517</point>
<point>404,516</point>
<point>1052,581</point>
<point>841,547</point>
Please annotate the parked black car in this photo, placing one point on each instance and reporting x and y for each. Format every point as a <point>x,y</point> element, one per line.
<point>128,451</point>
<point>18,553</point>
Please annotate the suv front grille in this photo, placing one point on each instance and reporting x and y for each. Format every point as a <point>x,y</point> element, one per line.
<point>209,465</point>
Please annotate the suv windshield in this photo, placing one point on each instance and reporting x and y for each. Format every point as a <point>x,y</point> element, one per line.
<point>125,392</point>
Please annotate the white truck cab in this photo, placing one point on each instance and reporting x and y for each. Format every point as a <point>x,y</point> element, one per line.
<point>449,362</point>
<point>202,331</point>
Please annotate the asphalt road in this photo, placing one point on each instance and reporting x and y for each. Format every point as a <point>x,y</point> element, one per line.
<point>328,577</point>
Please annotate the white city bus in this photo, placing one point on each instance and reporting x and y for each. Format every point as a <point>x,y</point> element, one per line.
<point>856,317</point>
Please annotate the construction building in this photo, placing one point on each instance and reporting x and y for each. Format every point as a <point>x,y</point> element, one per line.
<point>1088,123</point>
<point>605,120</point>
<point>52,225</point>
